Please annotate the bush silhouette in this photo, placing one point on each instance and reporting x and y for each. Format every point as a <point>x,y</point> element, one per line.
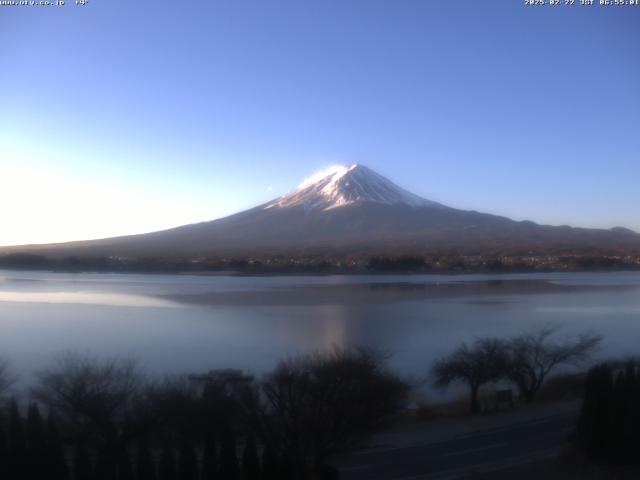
<point>609,421</point>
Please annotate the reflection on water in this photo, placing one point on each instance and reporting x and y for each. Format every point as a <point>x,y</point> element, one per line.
<point>87,298</point>
<point>42,314</point>
<point>336,320</point>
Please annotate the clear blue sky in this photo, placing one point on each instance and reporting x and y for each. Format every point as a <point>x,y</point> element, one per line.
<point>128,116</point>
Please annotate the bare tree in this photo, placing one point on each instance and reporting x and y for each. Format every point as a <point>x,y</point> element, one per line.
<point>315,405</point>
<point>482,362</point>
<point>533,355</point>
<point>95,397</point>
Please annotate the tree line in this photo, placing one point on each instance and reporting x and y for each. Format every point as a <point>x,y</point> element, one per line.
<point>354,262</point>
<point>105,421</point>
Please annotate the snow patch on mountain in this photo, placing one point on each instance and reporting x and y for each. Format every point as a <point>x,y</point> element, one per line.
<point>342,185</point>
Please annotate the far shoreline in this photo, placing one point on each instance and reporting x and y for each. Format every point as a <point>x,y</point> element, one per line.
<point>320,273</point>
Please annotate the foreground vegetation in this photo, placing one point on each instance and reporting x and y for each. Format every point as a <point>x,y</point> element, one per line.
<point>92,419</point>
<point>609,424</point>
<point>105,422</point>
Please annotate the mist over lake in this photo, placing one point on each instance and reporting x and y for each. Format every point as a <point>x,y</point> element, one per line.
<point>190,323</point>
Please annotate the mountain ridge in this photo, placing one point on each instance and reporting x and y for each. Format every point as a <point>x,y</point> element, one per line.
<point>350,209</point>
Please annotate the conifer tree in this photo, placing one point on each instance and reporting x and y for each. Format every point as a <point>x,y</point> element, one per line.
<point>56,461</point>
<point>187,462</point>
<point>36,444</point>
<point>4,454</point>
<point>285,467</point>
<point>628,431</point>
<point>269,463</point>
<point>593,424</point>
<point>229,469</point>
<point>82,466</point>
<point>250,461</point>
<point>616,445</point>
<point>209,458</point>
<point>17,464</point>
<point>634,421</point>
<point>106,467</point>
<point>35,428</point>
<point>145,466</point>
<point>167,470</point>
<point>125,471</point>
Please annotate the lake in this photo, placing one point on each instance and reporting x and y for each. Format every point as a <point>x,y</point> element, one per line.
<point>191,323</point>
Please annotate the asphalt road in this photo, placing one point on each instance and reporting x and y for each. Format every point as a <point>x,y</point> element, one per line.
<point>489,450</point>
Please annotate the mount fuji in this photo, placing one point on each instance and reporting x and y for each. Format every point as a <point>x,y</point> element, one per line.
<point>346,210</point>
<point>339,186</point>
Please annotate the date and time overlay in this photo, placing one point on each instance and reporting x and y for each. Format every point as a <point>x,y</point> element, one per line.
<point>527,3</point>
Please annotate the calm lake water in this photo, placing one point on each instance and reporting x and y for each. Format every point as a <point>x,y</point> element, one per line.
<point>188,323</point>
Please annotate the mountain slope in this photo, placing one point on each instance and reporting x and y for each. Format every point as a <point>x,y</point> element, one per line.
<point>351,209</point>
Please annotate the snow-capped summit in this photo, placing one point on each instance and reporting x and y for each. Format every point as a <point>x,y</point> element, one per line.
<point>342,185</point>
